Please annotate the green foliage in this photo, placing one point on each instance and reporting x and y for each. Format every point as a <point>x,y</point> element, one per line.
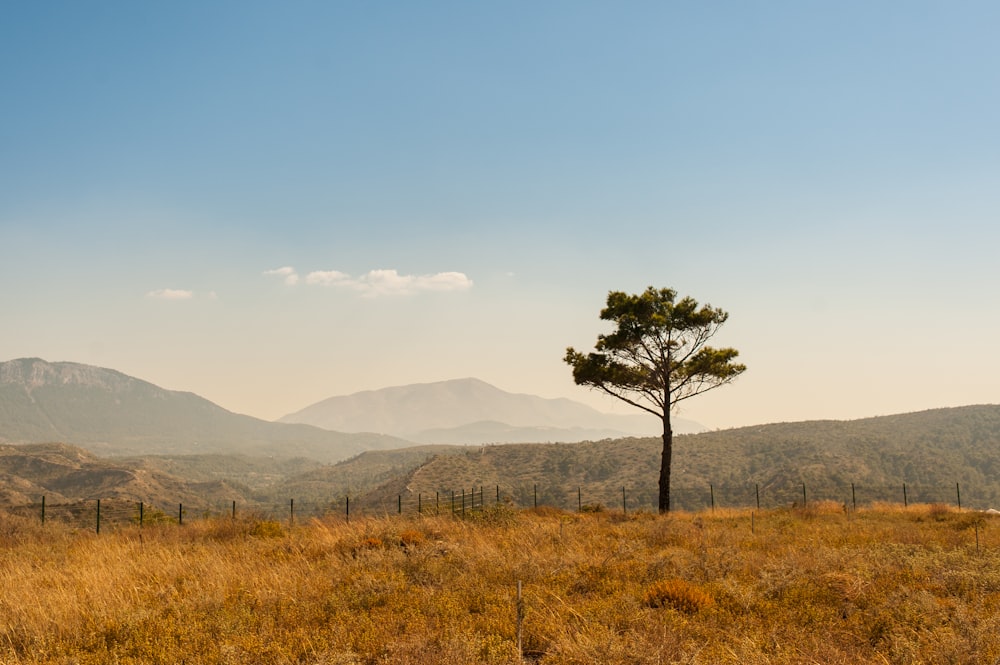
<point>656,356</point>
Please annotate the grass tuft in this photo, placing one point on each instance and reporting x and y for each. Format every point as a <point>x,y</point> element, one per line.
<point>677,594</point>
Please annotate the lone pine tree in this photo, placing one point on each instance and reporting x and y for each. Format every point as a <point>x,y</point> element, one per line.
<point>656,358</point>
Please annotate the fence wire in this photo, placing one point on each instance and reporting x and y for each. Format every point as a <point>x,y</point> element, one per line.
<point>110,514</point>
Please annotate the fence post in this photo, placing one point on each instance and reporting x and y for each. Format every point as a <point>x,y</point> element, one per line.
<point>854,500</point>
<point>399,504</point>
<point>536,495</point>
<point>711,492</point>
<point>140,514</point>
<point>520,621</point>
<point>234,510</point>
<point>437,502</point>
<point>291,512</point>
<point>180,514</point>
<point>43,509</point>
<point>420,504</point>
<point>905,503</point>
<point>348,497</point>
<point>624,503</point>
<point>958,491</point>
<point>579,499</point>
<point>453,502</point>
<point>756,489</point>
<point>804,500</point>
<point>98,517</point>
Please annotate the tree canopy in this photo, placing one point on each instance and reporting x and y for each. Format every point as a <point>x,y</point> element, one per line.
<point>657,357</point>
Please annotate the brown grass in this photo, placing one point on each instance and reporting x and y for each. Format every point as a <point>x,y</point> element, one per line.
<point>814,585</point>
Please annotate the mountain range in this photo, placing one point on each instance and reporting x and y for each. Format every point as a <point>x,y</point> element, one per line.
<point>111,413</point>
<point>186,449</point>
<point>938,456</point>
<point>471,411</point>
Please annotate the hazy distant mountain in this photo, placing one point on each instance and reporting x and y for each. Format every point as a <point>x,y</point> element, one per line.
<point>473,411</point>
<point>110,413</point>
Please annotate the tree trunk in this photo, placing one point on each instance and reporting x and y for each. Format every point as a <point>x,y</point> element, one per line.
<point>668,444</point>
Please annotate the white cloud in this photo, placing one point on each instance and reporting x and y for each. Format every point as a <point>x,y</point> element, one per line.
<point>327,277</point>
<point>170,294</point>
<point>386,282</point>
<point>288,272</point>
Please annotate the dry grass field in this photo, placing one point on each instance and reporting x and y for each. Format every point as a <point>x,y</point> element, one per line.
<point>815,585</point>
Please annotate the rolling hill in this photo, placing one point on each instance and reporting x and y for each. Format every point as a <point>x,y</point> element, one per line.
<point>114,414</point>
<point>936,454</point>
<point>471,411</point>
<point>68,474</point>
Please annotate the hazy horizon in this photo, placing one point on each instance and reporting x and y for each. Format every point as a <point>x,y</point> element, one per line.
<point>269,205</point>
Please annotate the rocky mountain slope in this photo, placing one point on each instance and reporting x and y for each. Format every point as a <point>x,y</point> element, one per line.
<point>111,413</point>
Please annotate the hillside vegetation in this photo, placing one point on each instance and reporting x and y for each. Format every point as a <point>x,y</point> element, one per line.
<point>68,474</point>
<point>880,585</point>
<point>940,456</point>
<point>936,454</point>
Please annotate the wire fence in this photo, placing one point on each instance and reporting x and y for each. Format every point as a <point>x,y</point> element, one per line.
<point>108,514</point>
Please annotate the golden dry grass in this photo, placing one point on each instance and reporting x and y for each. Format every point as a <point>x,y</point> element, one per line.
<point>819,585</point>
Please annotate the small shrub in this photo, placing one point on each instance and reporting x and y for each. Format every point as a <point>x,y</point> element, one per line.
<point>267,529</point>
<point>592,508</point>
<point>152,515</point>
<point>677,594</point>
<point>372,543</point>
<point>411,538</point>
<point>547,511</point>
<point>939,511</point>
<point>499,515</point>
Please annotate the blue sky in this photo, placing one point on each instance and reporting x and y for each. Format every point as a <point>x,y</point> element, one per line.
<point>272,203</point>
